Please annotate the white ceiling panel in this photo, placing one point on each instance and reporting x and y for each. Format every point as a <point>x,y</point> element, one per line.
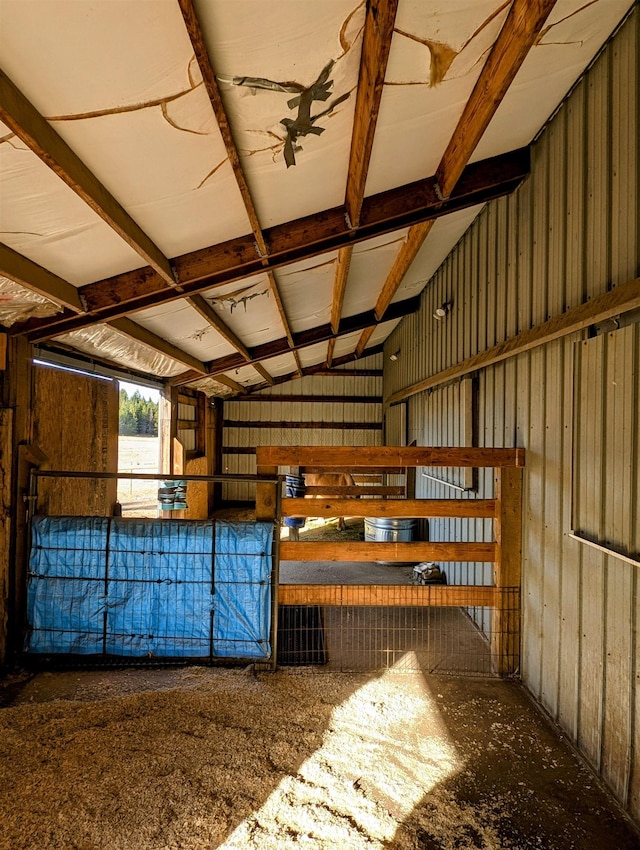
<point>43,219</point>
<point>144,126</point>
<point>307,291</point>
<point>103,341</point>
<point>371,262</point>
<point>264,55</point>
<point>284,364</point>
<point>572,35</point>
<point>444,234</point>
<point>122,83</point>
<point>181,325</point>
<point>250,312</point>
<point>437,53</point>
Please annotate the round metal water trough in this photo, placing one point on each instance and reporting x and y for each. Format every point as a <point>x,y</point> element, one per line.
<point>390,530</point>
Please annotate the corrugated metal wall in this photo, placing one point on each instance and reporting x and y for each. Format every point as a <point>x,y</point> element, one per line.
<point>571,232</point>
<point>266,422</point>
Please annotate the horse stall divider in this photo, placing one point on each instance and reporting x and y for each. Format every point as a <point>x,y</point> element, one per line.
<point>145,590</point>
<point>502,597</point>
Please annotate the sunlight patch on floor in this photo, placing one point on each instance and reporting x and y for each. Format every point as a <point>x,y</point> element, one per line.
<point>384,749</point>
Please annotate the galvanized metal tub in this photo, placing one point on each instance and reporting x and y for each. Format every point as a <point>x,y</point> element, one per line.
<point>390,530</point>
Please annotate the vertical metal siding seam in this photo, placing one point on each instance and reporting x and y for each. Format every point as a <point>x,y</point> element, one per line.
<point>605,559</point>
<point>633,507</point>
<point>561,523</point>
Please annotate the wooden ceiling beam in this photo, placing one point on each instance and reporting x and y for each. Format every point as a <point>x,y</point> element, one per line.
<point>209,315</point>
<point>340,285</point>
<point>229,382</point>
<point>313,336</point>
<point>263,373</point>
<point>203,59</point>
<point>376,43</point>
<point>406,255</point>
<point>318,369</point>
<point>20,115</point>
<point>273,286</point>
<point>517,36</point>
<point>612,304</point>
<point>288,243</point>
<point>364,339</point>
<point>330,349</point>
<point>139,334</point>
<point>38,279</point>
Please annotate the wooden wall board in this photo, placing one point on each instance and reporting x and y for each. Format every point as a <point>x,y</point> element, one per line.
<point>76,427</point>
<point>6,525</point>
<point>197,491</point>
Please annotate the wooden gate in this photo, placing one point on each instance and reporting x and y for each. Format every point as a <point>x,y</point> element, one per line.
<point>504,552</point>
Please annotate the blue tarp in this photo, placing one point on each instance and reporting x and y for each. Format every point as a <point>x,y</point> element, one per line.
<point>156,588</point>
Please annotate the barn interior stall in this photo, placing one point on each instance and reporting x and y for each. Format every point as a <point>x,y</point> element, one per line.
<point>393,240</point>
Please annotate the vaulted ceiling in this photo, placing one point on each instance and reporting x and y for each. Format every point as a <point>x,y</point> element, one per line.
<point>229,193</point>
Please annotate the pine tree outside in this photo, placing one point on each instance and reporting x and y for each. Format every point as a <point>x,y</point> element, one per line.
<point>138,452</point>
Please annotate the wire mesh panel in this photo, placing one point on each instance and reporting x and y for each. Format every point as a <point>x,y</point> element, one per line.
<point>150,588</point>
<point>370,637</point>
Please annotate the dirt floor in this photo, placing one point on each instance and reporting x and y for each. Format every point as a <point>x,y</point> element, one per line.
<point>195,758</point>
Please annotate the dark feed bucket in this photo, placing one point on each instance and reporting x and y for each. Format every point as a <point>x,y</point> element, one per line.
<point>295,489</point>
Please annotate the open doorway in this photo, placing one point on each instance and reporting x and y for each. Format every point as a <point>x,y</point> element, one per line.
<point>138,448</point>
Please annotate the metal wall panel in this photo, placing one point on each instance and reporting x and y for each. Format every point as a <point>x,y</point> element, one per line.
<point>298,411</point>
<point>570,232</point>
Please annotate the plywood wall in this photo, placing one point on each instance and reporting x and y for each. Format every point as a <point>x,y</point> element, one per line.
<point>6,468</point>
<point>75,421</point>
<point>571,232</point>
<point>315,410</point>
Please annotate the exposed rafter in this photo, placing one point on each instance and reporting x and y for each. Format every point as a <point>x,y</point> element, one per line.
<point>25,121</point>
<point>273,286</point>
<point>313,336</point>
<point>263,373</point>
<point>406,255</point>
<point>291,242</point>
<point>318,369</point>
<point>139,334</point>
<point>209,315</point>
<point>340,285</point>
<point>330,350</point>
<point>364,339</point>
<point>32,276</point>
<point>517,36</point>
<point>376,43</point>
<point>204,63</point>
<point>229,382</point>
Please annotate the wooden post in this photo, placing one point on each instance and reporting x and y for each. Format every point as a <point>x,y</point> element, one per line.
<point>266,494</point>
<point>505,633</point>
<point>16,428</point>
<point>167,417</point>
<point>6,527</point>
